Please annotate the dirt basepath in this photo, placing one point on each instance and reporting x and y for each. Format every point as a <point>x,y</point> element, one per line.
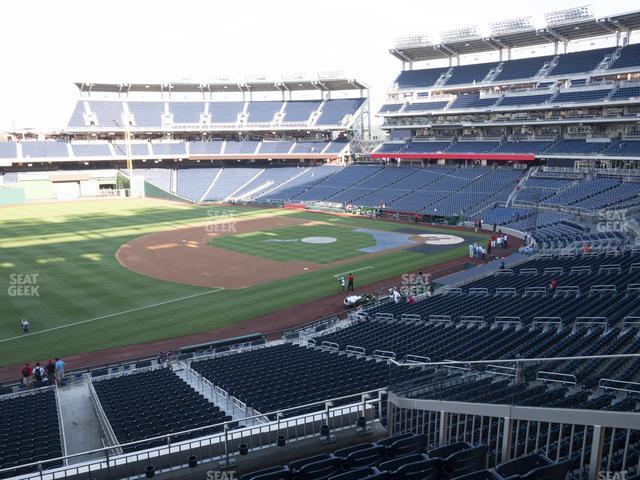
<point>272,324</point>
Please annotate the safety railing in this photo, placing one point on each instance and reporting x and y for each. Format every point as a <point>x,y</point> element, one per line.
<point>556,377</point>
<point>223,447</point>
<point>514,422</point>
<point>598,441</point>
<point>507,321</point>
<point>619,385</point>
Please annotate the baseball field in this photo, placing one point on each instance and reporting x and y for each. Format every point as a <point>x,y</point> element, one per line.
<point>92,275</point>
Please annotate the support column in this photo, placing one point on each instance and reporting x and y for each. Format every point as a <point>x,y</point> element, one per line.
<point>507,432</point>
<point>597,444</point>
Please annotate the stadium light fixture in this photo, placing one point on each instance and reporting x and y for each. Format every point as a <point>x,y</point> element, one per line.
<point>511,25</point>
<point>462,33</point>
<point>413,40</point>
<point>570,15</point>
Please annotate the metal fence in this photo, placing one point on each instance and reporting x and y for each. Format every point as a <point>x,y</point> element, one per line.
<point>599,441</point>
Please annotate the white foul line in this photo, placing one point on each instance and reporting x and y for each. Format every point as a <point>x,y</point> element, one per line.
<point>351,271</point>
<point>39,332</point>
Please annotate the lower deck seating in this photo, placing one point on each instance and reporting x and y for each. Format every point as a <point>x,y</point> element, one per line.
<point>29,432</point>
<point>155,403</point>
<point>409,457</point>
<point>285,376</point>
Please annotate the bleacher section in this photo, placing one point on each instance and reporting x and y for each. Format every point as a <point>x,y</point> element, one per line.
<point>192,183</point>
<point>153,403</point>
<point>563,65</point>
<point>334,112</point>
<point>230,181</point>
<point>403,456</point>
<point>46,148</point>
<point>103,114</point>
<point>279,377</point>
<point>29,431</point>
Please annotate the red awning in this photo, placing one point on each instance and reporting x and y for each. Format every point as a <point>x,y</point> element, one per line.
<point>505,157</point>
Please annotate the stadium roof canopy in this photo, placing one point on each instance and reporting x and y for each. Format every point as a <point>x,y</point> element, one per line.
<point>418,47</point>
<point>292,83</point>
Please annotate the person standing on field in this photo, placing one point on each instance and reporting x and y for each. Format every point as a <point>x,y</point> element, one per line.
<point>25,325</point>
<point>342,283</point>
<point>350,282</point>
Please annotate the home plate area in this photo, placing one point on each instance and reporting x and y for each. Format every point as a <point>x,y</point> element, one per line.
<point>438,239</point>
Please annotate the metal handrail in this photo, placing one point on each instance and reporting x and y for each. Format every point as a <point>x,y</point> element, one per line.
<point>358,402</point>
<point>620,382</point>
<point>566,378</point>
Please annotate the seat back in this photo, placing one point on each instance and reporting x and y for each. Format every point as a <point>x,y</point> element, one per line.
<point>356,474</point>
<point>298,464</point>
<point>465,461</point>
<point>405,446</point>
<point>320,469</point>
<point>445,451</point>
<point>273,473</point>
<point>388,441</point>
<point>366,457</point>
<point>395,463</point>
<point>555,471</point>
<point>345,452</point>
<point>522,465</point>
<point>421,470</point>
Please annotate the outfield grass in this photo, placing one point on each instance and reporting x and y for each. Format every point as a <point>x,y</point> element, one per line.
<point>71,248</point>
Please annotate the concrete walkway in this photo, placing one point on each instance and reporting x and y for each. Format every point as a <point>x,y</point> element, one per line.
<point>466,276</point>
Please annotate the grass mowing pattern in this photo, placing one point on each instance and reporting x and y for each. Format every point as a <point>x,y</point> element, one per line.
<point>71,246</point>
<point>282,244</point>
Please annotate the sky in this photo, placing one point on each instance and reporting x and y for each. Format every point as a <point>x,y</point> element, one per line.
<point>46,46</point>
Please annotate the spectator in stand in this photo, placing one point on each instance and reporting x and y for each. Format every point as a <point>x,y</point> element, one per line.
<point>38,375</point>
<point>397,298</point>
<point>160,359</point>
<point>350,279</point>
<point>430,290</point>
<point>51,372</point>
<point>495,225</point>
<point>411,300</point>
<point>553,285</point>
<point>26,372</point>
<point>586,248</point>
<point>59,371</point>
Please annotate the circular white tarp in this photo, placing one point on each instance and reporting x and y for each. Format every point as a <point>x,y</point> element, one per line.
<point>320,240</point>
<point>438,239</point>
